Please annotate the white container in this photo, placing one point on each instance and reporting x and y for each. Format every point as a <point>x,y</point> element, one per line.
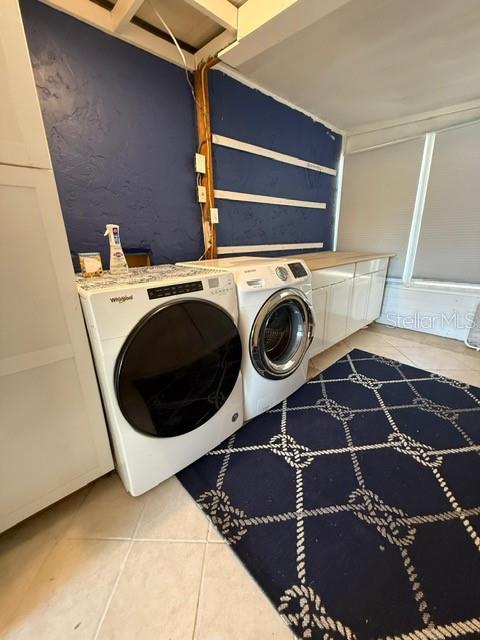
<point>118,263</point>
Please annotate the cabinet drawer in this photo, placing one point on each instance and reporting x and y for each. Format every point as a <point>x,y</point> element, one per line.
<point>332,275</point>
<point>368,266</point>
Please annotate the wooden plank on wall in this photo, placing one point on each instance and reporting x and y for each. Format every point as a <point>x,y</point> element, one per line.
<point>261,199</point>
<point>231,143</point>
<point>257,248</point>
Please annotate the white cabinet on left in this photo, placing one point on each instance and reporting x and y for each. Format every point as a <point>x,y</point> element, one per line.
<point>53,436</point>
<point>22,136</point>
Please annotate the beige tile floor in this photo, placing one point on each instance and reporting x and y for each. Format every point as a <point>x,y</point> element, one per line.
<point>103,565</point>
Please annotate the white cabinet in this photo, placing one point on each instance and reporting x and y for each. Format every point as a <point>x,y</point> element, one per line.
<point>337,310</point>
<point>345,299</point>
<point>357,316</point>
<point>375,297</point>
<point>53,436</point>
<point>53,433</point>
<point>22,136</point>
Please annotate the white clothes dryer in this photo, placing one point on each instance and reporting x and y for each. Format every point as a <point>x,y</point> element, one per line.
<point>167,351</point>
<point>276,323</point>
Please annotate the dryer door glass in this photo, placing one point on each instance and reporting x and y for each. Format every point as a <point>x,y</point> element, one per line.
<point>177,368</point>
<point>281,334</point>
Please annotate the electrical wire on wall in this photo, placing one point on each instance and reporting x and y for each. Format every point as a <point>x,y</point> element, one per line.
<point>208,227</point>
<point>175,42</point>
<point>182,56</point>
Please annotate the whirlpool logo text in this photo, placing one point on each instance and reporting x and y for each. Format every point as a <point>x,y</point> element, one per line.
<point>121,299</point>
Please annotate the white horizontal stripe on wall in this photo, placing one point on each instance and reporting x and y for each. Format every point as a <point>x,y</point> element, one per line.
<point>255,248</point>
<point>253,197</point>
<point>231,143</point>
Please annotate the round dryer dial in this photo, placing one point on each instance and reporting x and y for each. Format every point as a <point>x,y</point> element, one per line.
<point>282,273</point>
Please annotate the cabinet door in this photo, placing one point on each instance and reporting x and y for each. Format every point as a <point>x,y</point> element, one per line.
<point>22,136</point>
<point>375,298</point>
<point>338,303</point>
<point>53,437</point>
<point>357,317</point>
<point>319,297</point>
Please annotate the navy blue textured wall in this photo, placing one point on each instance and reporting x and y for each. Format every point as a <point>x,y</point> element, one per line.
<point>121,130</point>
<point>250,116</point>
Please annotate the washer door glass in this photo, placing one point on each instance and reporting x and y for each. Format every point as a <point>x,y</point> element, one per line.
<point>281,334</point>
<point>177,368</point>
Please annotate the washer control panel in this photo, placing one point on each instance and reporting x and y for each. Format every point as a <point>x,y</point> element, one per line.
<point>282,273</point>
<point>297,269</point>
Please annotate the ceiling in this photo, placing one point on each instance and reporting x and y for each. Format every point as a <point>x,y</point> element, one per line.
<point>372,61</point>
<point>187,23</point>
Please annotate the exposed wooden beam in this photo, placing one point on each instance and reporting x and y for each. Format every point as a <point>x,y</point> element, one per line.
<point>204,130</point>
<point>262,25</point>
<point>220,11</point>
<point>101,18</point>
<point>123,12</point>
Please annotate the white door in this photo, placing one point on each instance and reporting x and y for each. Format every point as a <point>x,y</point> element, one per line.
<point>338,303</point>
<point>22,137</point>
<point>53,437</point>
<point>375,298</point>
<point>358,308</point>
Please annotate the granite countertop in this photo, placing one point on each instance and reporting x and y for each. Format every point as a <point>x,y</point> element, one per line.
<point>142,275</point>
<point>325,259</point>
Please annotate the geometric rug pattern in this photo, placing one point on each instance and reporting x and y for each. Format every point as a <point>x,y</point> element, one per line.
<point>355,503</point>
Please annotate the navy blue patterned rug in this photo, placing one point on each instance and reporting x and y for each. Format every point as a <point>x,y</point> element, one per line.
<point>355,504</point>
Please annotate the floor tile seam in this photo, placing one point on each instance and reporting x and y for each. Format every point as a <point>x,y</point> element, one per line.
<point>200,588</point>
<point>121,570</point>
<point>56,541</point>
<point>142,539</point>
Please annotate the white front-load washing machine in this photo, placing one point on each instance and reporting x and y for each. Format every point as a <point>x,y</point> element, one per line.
<point>168,353</point>
<point>276,322</point>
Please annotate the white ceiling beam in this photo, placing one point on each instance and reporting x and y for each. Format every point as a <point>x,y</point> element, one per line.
<point>389,132</point>
<point>213,47</point>
<point>88,12</point>
<point>123,12</point>
<point>222,12</point>
<point>262,25</point>
<point>101,18</point>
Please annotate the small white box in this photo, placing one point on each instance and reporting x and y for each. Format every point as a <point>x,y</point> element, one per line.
<point>200,164</point>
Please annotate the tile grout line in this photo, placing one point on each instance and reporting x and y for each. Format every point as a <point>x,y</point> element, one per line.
<point>134,539</point>
<point>200,586</point>
<point>55,544</point>
<point>119,574</point>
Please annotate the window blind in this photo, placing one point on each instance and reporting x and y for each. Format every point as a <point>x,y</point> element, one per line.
<point>449,242</point>
<point>378,197</point>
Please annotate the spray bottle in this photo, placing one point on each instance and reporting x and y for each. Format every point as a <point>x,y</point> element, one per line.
<point>118,264</point>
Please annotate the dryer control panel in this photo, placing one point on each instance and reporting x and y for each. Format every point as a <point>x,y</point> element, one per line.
<point>174,289</point>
